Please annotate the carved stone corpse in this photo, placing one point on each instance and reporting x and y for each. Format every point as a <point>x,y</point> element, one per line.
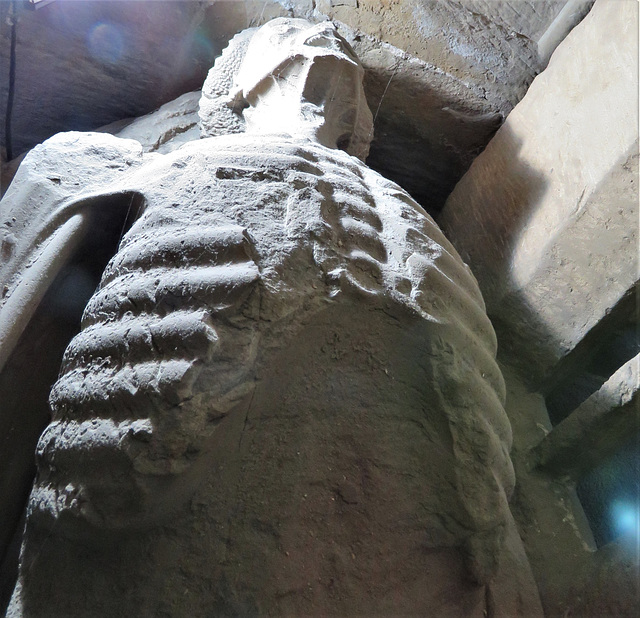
<point>284,398</point>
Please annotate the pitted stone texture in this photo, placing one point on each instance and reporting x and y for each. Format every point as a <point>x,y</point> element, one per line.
<point>441,76</point>
<point>316,73</point>
<point>285,365</point>
<point>82,65</point>
<point>166,129</point>
<point>216,107</point>
<point>234,363</point>
<point>43,227</point>
<point>485,43</point>
<point>41,217</point>
<point>547,215</point>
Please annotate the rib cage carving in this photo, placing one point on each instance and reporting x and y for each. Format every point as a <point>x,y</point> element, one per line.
<point>122,400</point>
<point>202,288</point>
<point>284,362</point>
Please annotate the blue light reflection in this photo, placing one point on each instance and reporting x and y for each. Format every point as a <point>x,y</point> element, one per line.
<point>106,43</point>
<point>626,518</point>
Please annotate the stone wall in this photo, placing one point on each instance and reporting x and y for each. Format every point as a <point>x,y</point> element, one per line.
<point>547,218</point>
<point>547,215</point>
<point>441,75</point>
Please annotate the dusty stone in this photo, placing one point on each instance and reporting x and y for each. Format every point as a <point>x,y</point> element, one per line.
<point>82,65</point>
<point>8,171</point>
<point>41,218</point>
<point>226,413</point>
<point>440,76</point>
<point>551,522</point>
<point>572,572</point>
<point>428,124</point>
<point>555,196</point>
<point>216,106</point>
<point>166,129</point>
<point>612,587</point>
<point>44,233</point>
<point>494,46</point>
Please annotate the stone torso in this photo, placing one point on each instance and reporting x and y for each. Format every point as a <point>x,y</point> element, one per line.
<point>270,369</point>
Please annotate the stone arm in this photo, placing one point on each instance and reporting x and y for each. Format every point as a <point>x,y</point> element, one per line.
<point>47,211</point>
<point>58,227</point>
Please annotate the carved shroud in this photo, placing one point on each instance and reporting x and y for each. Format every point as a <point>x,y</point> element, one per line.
<point>284,398</point>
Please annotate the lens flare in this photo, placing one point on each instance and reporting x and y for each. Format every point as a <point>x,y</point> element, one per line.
<point>106,43</point>
<point>626,518</point>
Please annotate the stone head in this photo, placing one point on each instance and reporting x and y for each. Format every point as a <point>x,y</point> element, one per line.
<point>304,79</point>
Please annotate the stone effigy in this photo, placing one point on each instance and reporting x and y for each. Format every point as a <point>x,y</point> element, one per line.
<point>284,398</point>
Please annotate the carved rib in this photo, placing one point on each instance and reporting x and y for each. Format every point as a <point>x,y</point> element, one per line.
<point>182,334</point>
<point>64,441</point>
<point>120,394</point>
<point>128,375</point>
<point>162,290</point>
<point>175,245</point>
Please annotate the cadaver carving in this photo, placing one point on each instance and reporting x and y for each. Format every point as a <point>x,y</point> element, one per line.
<point>283,342</point>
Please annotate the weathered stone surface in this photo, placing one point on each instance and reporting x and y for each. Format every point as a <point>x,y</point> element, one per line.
<point>608,494</point>
<point>42,218</point>
<point>573,573</point>
<point>217,109</point>
<point>491,45</point>
<point>612,586</point>
<point>551,522</point>
<point>166,129</point>
<point>53,248</point>
<point>547,215</point>
<point>441,76</point>
<point>284,396</point>
<point>428,124</point>
<point>81,65</point>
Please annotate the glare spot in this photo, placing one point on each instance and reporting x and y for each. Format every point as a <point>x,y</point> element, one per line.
<point>106,43</point>
<point>626,517</point>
